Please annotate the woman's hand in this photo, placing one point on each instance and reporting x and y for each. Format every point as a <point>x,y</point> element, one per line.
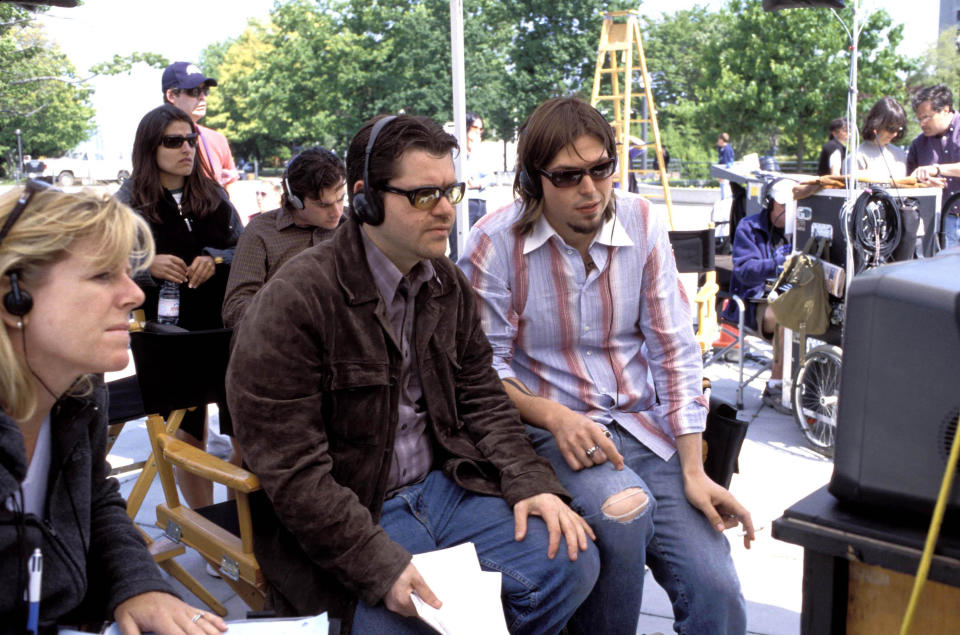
<point>169,267</point>
<point>164,614</point>
<point>201,269</point>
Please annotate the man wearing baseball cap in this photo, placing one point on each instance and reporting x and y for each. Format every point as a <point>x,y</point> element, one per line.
<point>187,88</point>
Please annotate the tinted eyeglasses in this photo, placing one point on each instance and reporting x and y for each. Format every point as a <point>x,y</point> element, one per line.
<point>196,92</point>
<point>174,141</point>
<point>570,178</point>
<point>426,198</point>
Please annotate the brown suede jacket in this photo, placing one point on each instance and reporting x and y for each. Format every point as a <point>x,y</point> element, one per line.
<point>313,391</point>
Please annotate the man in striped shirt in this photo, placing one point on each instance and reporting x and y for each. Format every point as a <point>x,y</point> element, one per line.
<point>592,338</point>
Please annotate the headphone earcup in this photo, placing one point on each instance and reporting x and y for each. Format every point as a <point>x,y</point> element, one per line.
<point>367,211</point>
<point>529,186</point>
<point>17,301</point>
<point>292,198</point>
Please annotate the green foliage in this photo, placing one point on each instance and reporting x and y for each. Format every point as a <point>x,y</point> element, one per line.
<point>770,79</point>
<point>318,69</point>
<point>40,93</point>
<point>124,63</point>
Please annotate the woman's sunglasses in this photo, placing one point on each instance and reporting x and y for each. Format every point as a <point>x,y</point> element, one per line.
<point>569,178</point>
<point>174,141</point>
<point>426,198</point>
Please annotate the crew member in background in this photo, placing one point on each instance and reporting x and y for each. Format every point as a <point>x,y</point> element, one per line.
<point>834,151</point>
<point>187,88</point>
<point>939,144</point>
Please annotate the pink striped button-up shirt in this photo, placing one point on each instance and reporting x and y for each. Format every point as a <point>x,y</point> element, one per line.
<point>614,341</point>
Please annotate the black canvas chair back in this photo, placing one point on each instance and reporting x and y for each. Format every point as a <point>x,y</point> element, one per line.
<point>694,250</point>
<point>181,369</point>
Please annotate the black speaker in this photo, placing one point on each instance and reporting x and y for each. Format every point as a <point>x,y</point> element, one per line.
<point>898,403</point>
<point>366,205</point>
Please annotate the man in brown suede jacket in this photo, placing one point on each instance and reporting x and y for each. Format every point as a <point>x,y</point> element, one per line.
<point>363,397</point>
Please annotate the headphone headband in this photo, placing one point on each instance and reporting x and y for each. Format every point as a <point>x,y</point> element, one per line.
<point>366,206</point>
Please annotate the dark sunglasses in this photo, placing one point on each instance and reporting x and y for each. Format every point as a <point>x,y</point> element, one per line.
<point>33,186</point>
<point>569,178</point>
<point>894,129</point>
<point>174,141</point>
<point>426,198</point>
<point>196,92</point>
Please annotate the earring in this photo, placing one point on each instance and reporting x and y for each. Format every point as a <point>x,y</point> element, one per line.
<point>20,324</point>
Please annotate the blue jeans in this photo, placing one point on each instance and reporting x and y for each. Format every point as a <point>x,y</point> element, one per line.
<point>539,595</point>
<point>951,231</point>
<point>687,556</point>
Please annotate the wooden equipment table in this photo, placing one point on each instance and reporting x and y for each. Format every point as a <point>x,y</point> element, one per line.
<point>859,565</point>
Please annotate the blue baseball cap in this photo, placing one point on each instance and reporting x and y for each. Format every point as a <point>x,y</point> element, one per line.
<point>184,75</point>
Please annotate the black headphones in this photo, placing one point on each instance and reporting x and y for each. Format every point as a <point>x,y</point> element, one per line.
<point>17,301</point>
<point>366,205</point>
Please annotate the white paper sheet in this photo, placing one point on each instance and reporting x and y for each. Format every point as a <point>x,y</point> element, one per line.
<point>470,596</point>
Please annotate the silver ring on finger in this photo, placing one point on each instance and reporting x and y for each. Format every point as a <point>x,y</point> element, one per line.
<point>591,451</point>
<point>196,618</point>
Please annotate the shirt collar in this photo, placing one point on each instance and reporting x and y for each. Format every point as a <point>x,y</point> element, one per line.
<point>284,218</point>
<point>386,275</point>
<point>611,233</point>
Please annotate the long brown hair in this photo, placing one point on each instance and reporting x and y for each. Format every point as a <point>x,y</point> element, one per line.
<point>201,193</point>
<point>555,124</point>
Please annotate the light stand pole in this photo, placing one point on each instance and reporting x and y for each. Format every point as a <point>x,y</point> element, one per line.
<point>19,155</point>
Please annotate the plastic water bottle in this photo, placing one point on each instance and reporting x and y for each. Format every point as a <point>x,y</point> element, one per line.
<point>168,308</point>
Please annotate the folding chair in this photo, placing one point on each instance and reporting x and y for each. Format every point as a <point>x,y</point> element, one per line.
<point>695,252</point>
<point>177,371</point>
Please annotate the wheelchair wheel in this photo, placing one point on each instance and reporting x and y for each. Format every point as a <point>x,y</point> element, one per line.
<point>816,392</point>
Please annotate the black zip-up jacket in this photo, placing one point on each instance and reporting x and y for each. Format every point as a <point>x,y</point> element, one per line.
<point>93,557</point>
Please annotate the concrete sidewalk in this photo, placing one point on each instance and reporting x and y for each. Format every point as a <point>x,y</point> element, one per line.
<point>777,468</point>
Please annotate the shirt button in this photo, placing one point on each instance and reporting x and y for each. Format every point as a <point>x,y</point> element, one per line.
<point>589,353</point>
<point>569,252</point>
<point>586,328</point>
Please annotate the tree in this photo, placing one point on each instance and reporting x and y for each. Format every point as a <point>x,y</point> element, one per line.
<point>40,93</point>
<point>317,70</point>
<point>775,79</point>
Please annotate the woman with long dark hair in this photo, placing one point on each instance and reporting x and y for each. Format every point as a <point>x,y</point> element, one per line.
<point>195,228</point>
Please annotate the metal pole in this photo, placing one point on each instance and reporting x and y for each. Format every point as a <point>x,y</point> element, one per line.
<point>853,138</point>
<point>459,114</point>
<point>19,156</point>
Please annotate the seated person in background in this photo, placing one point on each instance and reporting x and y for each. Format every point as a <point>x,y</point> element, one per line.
<point>877,158</point>
<point>834,150</point>
<point>314,186</point>
<point>67,295</point>
<point>759,251</point>
<point>364,398</point>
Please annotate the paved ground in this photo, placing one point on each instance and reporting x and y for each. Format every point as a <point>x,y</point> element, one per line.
<point>776,469</point>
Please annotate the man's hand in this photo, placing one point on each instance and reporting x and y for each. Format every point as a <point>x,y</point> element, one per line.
<point>410,581</point>
<point>200,270</point>
<point>164,614</point>
<point>717,504</point>
<point>560,519</point>
<point>580,440</point>
<point>169,267</point>
<point>929,174</point>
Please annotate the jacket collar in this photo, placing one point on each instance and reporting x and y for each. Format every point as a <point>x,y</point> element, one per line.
<point>354,275</point>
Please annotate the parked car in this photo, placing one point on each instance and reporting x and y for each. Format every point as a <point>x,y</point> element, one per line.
<point>83,167</point>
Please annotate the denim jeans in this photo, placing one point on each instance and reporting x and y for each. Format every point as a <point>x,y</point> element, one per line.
<point>951,231</point>
<point>539,595</point>
<point>687,556</point>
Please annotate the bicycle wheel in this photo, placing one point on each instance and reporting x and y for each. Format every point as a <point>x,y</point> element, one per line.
<point>815,395</point>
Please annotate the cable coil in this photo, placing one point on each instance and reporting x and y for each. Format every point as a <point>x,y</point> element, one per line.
<point>876,227</point>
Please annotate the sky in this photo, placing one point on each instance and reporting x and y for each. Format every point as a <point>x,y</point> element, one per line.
<point>181,29</point>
